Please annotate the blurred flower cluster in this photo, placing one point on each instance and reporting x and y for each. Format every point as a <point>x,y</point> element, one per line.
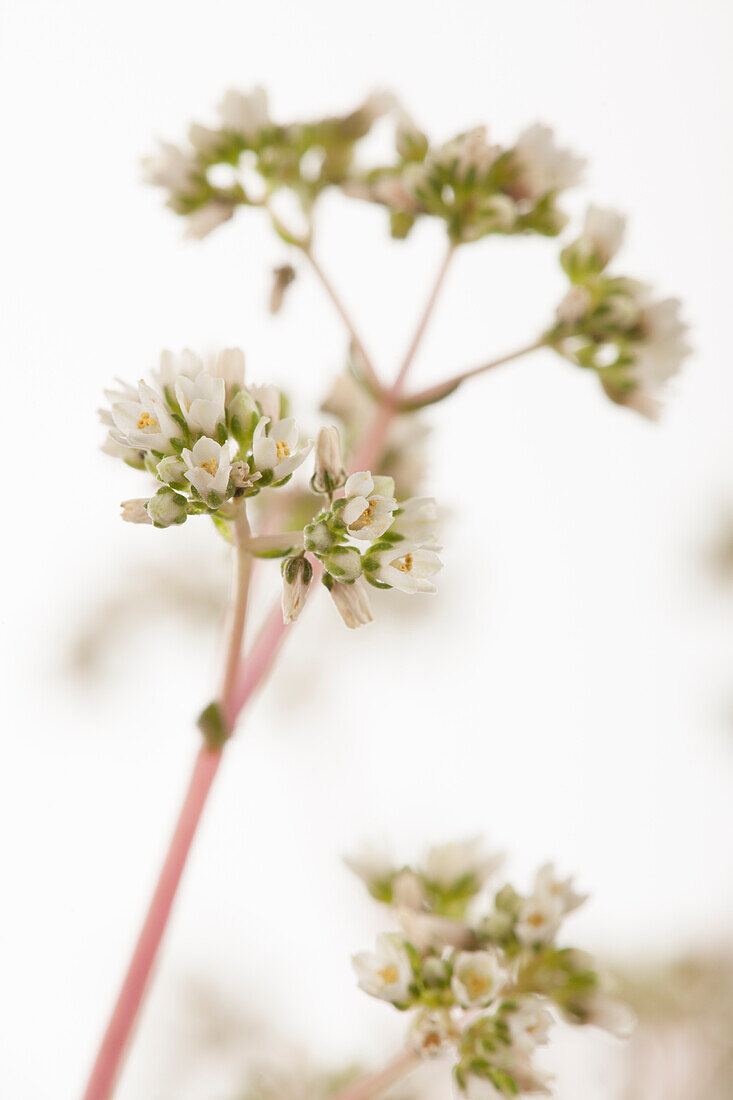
<point>483,979</point>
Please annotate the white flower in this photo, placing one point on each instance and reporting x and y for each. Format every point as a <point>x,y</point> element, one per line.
<point>369,505</point>
<point>432,1032</point>
<point>276,448</point>
<point>529,1025</point>
<point>207,218</point>
<point>478,978</point>
<point>539,919</point>
<point>611,1015</point>
<point>352,603</point>
<point>547,884</point>
<point>428,930</point>
<point>447,864</point>
<point>268,398</point>
<point>407,568</point>
<point>481,1088</point>
<point>172,366</point>
<point>208,467</point>
<point>543,168</point>
<point>469,150</point>
<point>202,402</point>
<point>329,466</point>
<point>172,168</point>
<point>574,305</point>
<point>145,423</point>
<point>387,972</point>
<point>602,235</point>
<point>408,891</point>
<point>663,347</point>
<point>230,366</point>
<point>416,519</point>
<point>134,511</point>
<point>372,865</point>
<point>244,114</point>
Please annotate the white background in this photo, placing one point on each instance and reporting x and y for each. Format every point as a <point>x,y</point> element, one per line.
<point>569,692</point>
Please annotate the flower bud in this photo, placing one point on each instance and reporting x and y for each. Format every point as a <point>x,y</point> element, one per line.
<point>297,574</point>
<point>167,508</point>
<point>230,367</point>
<point>133,511</point>
<point>243,416</point>
<point>329,473</point>
<point>352,603</point>
<point>318,537</point>
<point>171,470</point>
<point>343,563</point>
<point>268,398</point>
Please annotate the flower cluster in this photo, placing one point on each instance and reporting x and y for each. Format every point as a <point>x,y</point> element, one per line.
<point>248,157</point>
<point>475,186</point>
<point>613,325</point>
<point>364,535</point>
<point>207,439</point>
<point>484,982</point>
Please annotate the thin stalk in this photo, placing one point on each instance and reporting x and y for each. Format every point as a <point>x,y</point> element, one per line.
<point>343,314</point>
<point>112,1050</point>
<point>279,540</point>
<point>238,612</point>
<point>376,1083</point>
<point>424,397</point>
<point>423,323</point>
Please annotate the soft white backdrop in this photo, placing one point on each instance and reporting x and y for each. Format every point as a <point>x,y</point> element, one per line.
<point>568,692</point>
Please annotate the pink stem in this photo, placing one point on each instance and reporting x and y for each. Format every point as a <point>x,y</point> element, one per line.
<point>109,1058</point>
<point>378,1082</point>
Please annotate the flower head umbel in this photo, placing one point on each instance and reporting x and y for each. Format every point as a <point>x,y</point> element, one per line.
<point>485,988</point>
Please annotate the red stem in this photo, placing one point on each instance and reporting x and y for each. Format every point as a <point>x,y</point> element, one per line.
<point>109,1058</point>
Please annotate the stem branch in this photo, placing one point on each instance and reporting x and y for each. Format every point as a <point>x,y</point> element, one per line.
<point>423,323</point>
<point>424,397</point>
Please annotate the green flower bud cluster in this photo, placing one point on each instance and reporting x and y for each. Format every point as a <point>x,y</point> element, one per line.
<point>476,188</point>
<point>326,537</point>
<point>486,987</point>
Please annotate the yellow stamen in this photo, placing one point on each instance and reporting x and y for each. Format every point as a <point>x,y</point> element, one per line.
<point>283,451</point>
<point>365,516</point>
<point>404,564</point>
<point>147,421</point>
<point>536,919</point>
<point>210,466</point>
<point>476,984</point>
<point>389,975</point>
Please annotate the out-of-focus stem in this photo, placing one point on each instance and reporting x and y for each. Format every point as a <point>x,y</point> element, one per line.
<point>376,1083</point>
<point>423,323</point>
<point>434,392</point>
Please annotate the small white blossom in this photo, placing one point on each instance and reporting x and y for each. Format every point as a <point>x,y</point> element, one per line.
<point>663,346</point>
<point>207,218</point>
<point>432,1032</point>
<point>171,168</point>
<point>529,1025</point>
<point>387,972</point>
<point>145,423</point>
<point>539,919</point>
<point>469,150</point>
<point>609,1014</point>
<point>429,930</point>
<point>602,235</point>
<point>208,467</point>
<point>352,603</point>
<point>202,402</point>
<point>372,865</point>
<point>268,398</point>
<point>446,864</point>
<point>134,511</point>
<point>417,520</point>
<point>478,978</point>
<point>275,447</point>
<point>172,366</point>
<point>369,505</point>
<point>244,114</point>
<point>543,167</point>
<point>230,366</point>
<point>407,567</point>
<point>547,884</point>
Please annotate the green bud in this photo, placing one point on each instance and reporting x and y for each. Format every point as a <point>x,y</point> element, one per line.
<point>171,470</point>
<point>167,508</point>
<point>318,537</point>
<point>343,562</point>
<point>212,725</point>
<point>243,416</point>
